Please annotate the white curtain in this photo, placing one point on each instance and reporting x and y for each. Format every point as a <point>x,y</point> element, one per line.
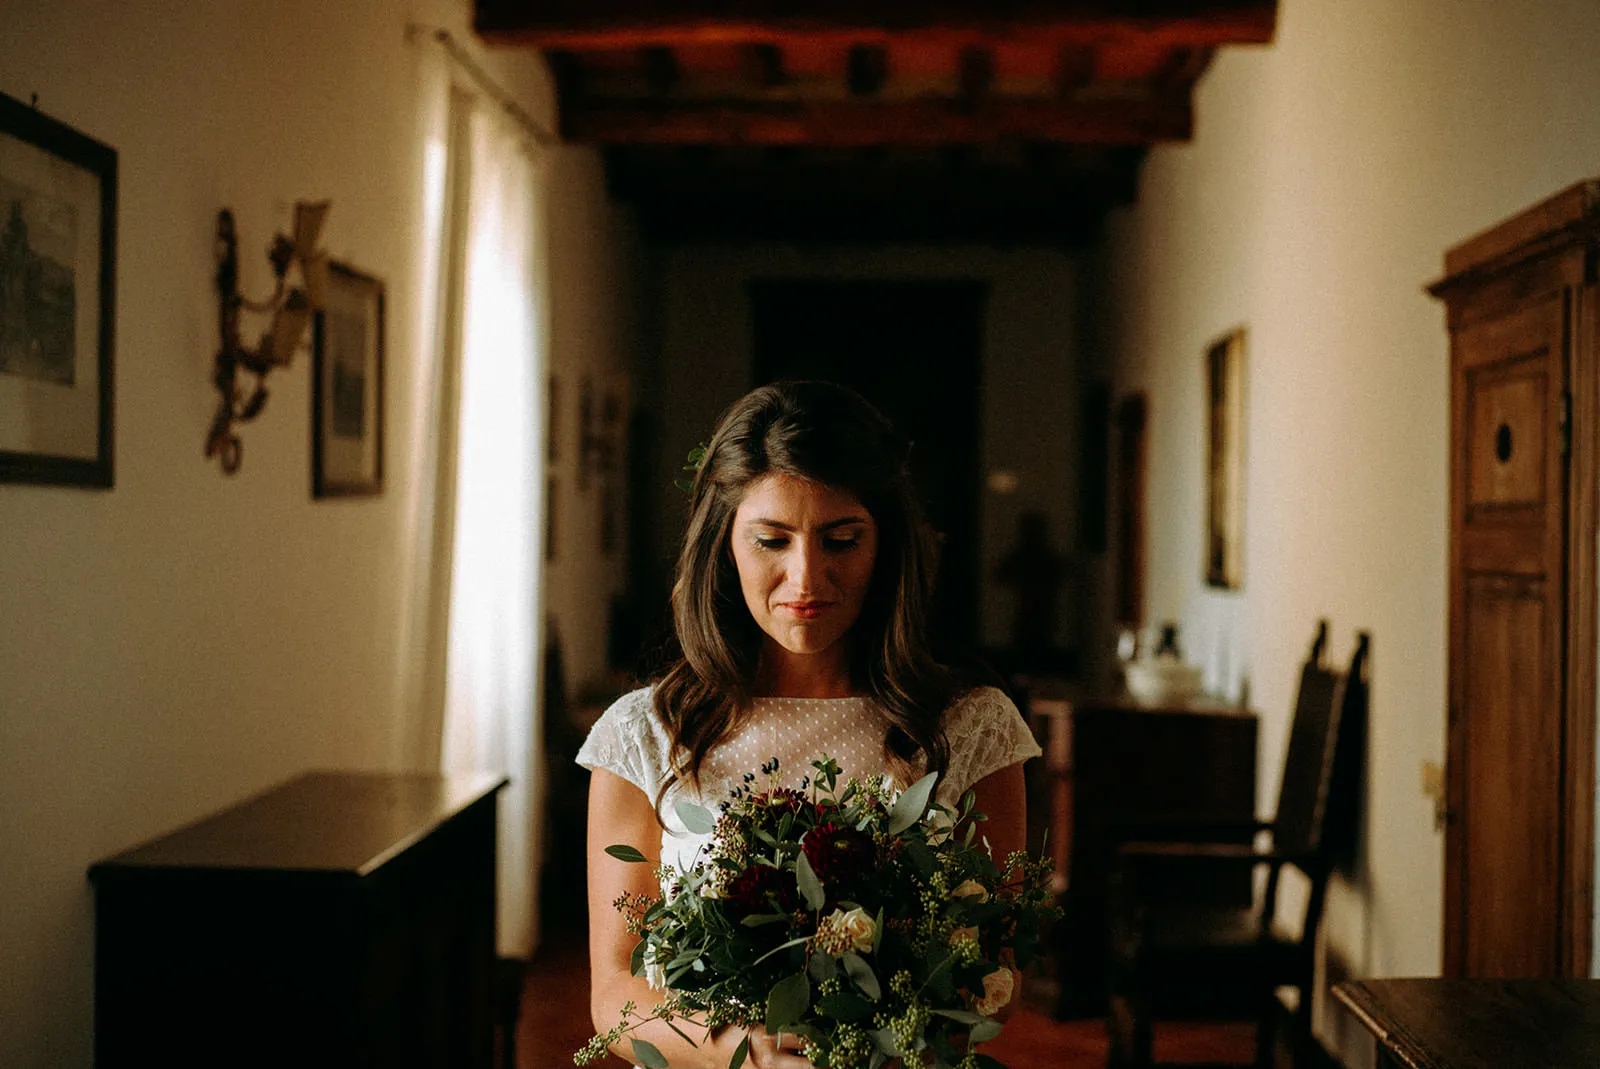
<point>491,671</point>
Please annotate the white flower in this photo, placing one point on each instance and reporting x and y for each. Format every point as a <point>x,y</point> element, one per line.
<point>997,990</point>
<point>971,887</point>
<point>841,931</point>
<point>655,975</point>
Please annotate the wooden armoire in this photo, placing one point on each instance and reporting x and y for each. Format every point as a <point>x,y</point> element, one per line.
<point>1521,301</point>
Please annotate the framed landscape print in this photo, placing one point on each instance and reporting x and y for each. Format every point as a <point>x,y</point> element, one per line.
<point>347,390</point>
<point>58,200</point>
<point>1225,461</point>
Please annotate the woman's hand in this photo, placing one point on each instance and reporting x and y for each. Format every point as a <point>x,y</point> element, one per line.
<point>781,1051</point>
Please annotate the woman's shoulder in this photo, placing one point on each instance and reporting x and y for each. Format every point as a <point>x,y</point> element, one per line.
<point>629,739</point>
<point>980,703</point>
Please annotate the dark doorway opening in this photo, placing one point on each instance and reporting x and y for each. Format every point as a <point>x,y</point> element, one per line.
<point>914,349</point>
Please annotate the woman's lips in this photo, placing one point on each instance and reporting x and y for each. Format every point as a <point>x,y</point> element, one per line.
<point>806,610</point>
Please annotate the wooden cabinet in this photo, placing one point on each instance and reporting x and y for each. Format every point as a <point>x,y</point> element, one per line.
<point>1478,1024</point>
<point>1112,767</point>
<point>341,919</point>
<point>1521,301</point>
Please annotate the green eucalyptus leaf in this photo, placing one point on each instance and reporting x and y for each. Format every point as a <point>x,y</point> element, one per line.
<point>636,961</point>
<point>810,886</point>
<point>648,1055</point>
<point>756,920</point>
<point>696,818</point>
<point>822,967</point>
<point>626,853</point>
<point>861,974</point>
<point>963,1016</point>
<point>684,1035</point>
<point>787,1002</point>
<point>844,1006</point>
<point>883,1039</point>
<point>984,1031</point>
<point>741,1052</point>
<point>911,804</point>
<point>877,931</point>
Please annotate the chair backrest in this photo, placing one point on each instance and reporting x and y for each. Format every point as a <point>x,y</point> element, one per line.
<point>1306,792</point>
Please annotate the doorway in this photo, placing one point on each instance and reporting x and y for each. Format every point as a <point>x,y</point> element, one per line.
<point>915,350</point>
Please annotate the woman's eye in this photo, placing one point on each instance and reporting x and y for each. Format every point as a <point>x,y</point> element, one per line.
<point>770,543</point>
<point>839,545</point>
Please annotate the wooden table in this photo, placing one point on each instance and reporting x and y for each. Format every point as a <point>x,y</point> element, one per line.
<point>1112,763</point>
<point>1479,1024</point>
<point>340,919</point>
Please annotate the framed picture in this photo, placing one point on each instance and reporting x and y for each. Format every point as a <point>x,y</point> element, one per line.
<point>58,246</point>
<point>1225,368</point>
<point>347,394</point>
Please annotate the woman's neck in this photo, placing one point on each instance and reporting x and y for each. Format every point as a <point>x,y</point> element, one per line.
<point>782,674</point>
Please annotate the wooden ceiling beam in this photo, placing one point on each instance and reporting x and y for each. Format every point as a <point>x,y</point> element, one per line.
<point>581,25</point>
<point>862,122</point>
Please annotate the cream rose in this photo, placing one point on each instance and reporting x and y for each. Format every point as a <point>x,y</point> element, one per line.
<point>971,887</point>
<point>997,989</point>
<point>856,927</point>
<point>959,934</point>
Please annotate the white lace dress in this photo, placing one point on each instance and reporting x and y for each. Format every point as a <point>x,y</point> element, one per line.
<point>984,729</point>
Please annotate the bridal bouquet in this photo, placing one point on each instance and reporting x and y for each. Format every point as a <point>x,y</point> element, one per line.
<point>872,924</point>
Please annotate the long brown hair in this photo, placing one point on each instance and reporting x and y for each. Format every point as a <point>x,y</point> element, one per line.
<point>826,434</point>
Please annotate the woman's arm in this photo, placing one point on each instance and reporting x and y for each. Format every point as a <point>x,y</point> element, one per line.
<point>619,812</point>
<point>1002,797</point>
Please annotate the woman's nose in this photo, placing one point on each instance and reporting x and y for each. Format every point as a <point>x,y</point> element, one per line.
<point>805,569</point>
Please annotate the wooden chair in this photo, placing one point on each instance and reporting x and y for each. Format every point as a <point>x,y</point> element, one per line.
<point>1176,959</point>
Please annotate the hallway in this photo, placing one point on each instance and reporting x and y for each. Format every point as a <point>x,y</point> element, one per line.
<point>555,1022</point>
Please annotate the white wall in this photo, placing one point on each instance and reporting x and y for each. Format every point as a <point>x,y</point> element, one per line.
<point>1030,375</point>
<point>598,304</point>
<point>184,639</point>
<point>1328,174</point>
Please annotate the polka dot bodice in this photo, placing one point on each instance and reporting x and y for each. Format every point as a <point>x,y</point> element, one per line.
<point>984,729</point>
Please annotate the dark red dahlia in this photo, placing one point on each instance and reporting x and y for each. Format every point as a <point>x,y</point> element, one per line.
<point>761,889</point>
<point>839,854</point>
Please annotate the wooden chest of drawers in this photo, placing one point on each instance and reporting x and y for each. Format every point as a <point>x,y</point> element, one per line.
<point>341,919</point>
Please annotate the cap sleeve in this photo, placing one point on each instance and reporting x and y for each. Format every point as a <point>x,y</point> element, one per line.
<point>628,741</point>
<point>986,733</point>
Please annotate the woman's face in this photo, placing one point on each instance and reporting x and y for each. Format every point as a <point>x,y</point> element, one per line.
<point>805,553</point>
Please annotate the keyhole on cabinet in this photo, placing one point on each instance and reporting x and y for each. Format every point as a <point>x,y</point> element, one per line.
<point>1502,443</point>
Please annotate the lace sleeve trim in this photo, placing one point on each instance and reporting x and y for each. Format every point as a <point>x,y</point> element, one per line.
<point>626,741</point>
<point>986,733</point>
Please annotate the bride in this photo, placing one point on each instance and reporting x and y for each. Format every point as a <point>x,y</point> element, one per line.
<point>800,617</point>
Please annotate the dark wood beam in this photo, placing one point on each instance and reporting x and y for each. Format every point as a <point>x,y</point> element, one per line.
<point>1075,69</point>
<point>763,65</point>
<point>976,73</point>
<point>861,122</point>
<point>866,69</point>
<point>614,24</point>
<point>660,69</point>
<point>1183,68</point>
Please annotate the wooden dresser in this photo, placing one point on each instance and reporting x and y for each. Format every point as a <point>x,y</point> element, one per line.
<point>1112,765</point>
<point>1479,1024</point>
<point>340,919</point>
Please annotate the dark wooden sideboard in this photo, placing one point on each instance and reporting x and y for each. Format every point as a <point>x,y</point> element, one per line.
<point>1113,768</point>
<point>340,919</point>
<point>1479,1024</point>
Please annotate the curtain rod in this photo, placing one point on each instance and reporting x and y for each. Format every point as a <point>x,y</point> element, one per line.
<point>463,58</point>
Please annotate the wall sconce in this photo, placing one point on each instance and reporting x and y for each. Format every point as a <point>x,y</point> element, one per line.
<point>290,307</point>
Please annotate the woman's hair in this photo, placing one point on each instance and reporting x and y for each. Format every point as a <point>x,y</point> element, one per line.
<point>830,435</point>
